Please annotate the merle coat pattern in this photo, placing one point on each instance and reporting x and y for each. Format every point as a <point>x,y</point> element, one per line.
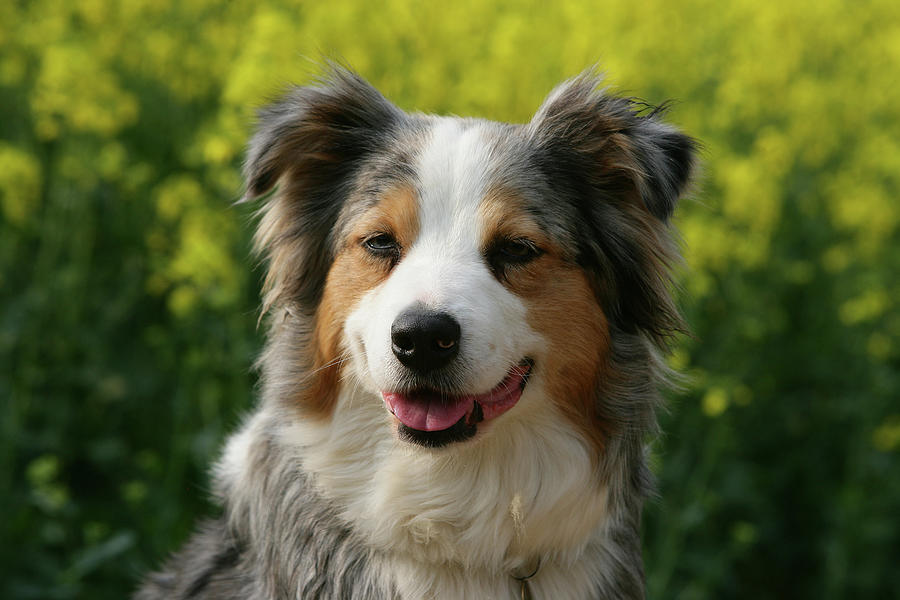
<point>601,175</point>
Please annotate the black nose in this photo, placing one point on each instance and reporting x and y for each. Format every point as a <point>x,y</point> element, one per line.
<point>424,339</point>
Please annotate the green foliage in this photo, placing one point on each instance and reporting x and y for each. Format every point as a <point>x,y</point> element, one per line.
<point>127,328</point>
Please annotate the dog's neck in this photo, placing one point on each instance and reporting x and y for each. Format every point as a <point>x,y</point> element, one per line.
<point>527,489</point>
<point>465,518</point>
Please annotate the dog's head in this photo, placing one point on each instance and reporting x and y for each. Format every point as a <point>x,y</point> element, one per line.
<point>451,266</point>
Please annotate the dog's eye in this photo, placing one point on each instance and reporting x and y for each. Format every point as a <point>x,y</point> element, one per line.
<point>509,253</point>
<point>382,244</point>
<point>516,251</point>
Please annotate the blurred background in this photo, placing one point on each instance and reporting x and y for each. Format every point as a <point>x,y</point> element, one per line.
<point>128,299</point>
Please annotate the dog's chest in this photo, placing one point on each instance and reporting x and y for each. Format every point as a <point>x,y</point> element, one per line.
<point>575,581</point>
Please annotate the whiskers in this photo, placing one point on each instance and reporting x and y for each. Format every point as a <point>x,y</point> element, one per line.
<point>339,362</point>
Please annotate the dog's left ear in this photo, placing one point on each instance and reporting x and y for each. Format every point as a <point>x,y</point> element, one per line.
<point>623,171</point>
<point>617,145</point>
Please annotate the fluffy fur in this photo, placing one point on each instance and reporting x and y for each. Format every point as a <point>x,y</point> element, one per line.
<point>549,244</point>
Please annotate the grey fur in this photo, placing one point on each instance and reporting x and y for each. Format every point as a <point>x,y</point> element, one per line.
<point>290,545</point>
<point>603,179</point>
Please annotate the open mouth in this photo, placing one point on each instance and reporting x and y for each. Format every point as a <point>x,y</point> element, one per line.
<point>430,418</point>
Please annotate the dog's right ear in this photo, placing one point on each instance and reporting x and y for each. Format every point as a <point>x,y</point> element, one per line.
<point>316,133</point>
<point>311,144</point>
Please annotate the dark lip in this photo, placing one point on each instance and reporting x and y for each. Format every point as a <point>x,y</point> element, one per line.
<point>459,432</point>
<point>526,363</point>
<point>467,426</point>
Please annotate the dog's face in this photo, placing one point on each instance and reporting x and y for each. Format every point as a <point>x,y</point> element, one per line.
<point>464,270</point>
<point>467,302</point>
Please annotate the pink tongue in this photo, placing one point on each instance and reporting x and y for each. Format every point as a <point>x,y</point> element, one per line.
<point>428,412</point>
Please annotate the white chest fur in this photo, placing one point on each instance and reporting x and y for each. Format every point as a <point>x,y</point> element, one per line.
<point>460,521</point>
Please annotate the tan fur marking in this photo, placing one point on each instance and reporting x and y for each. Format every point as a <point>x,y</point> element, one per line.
<point>562,307</point>
<point>502,215</point>
<point>397,213</point>
<point>354,272</point>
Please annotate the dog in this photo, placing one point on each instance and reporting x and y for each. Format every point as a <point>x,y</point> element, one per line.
<point>466,324</point>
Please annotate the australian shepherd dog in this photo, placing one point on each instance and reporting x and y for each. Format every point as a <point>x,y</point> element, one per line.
<point>465,328</point>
